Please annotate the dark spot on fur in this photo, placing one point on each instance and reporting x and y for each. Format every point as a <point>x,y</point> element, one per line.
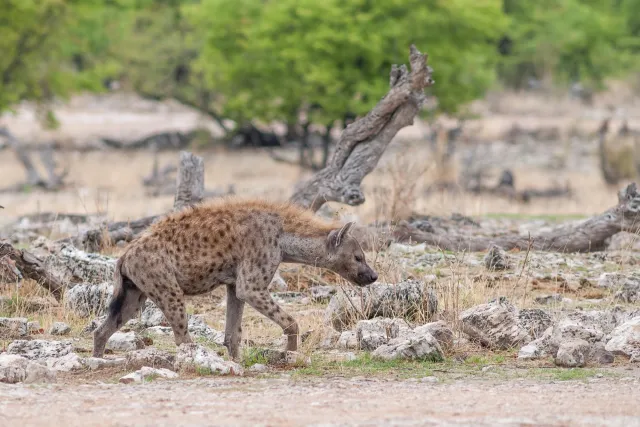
<point>222,234</point>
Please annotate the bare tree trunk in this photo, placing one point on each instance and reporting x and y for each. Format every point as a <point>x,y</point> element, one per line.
<point>190,181</point>
<point>362,143</point>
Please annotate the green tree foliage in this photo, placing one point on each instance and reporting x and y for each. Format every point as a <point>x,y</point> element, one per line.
<point>273,59</point>
<point>286,59</point>
<point>41,43</point>
<point>570,40</point>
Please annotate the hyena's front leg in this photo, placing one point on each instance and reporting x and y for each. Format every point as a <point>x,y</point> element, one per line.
<point>252,287</point>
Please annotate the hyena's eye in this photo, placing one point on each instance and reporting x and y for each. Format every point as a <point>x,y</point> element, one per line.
<point>359,258</point>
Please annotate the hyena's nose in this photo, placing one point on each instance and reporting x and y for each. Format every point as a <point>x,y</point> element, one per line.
<point>373,276</point>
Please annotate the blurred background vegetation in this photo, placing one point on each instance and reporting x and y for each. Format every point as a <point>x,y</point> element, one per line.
<point>306,61</point>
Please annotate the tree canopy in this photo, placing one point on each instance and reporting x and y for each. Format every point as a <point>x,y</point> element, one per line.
<point>287,59</point>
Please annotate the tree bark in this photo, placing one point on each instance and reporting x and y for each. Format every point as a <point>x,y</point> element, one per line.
<point>362,143</point>
<point>588,236</point>
<point>190,181</point>
<point>32,267</point>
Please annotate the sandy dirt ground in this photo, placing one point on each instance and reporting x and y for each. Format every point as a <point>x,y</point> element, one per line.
<point>326,402</point>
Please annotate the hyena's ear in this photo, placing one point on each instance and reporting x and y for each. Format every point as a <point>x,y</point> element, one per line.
<point>336,237</point>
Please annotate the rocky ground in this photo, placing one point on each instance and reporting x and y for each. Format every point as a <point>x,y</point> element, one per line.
<point>517,338</point>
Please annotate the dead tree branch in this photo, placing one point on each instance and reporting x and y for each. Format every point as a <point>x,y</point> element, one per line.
<point>588,236</point>
<point>32,267</point>
<point>363,142</point>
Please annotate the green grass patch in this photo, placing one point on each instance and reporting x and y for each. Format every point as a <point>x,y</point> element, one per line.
<point>203,371</point>
<point>478,360</point>
<point>253,355</point>
<point>366,365</point>
<point>574,374</point>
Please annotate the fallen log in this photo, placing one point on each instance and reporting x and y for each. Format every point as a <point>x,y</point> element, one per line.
<point>590,235</point>
<point>32,267</point>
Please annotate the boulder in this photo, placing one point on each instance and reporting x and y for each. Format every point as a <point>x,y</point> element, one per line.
<point>534,321</point>
<point>198,328</point>
<point>89,299</point>
<point>599,355</point>
<point>125,341</point>
<point>152,316</point>
<point>258,368</point>
<point>76,266</point>
<point>413,347</point>
<point>16,369</point>
<point>59,328</point>
<point>147,373</point>
<point>371,334</point>
<point>440,331</point>
<point>494,325</point>
<point>348,341</point>
<point>39,349</point>
<point>203,360</point>
<point>626,287</point>
<point>68,362</point>
<point>496,259</point>
<point>625,339</point>
<point>537,348</point>
<point>409,300</point>
<point>97,363</point>
<point>13,327</point>
<point>151,357</point>
<point>572,353</point>
<point>590,326</point>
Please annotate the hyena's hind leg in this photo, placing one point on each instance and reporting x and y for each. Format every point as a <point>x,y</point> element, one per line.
<point>169,297</point>
<point>122,308</point>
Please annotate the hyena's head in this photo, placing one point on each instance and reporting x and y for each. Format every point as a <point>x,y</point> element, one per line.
<point>346,257</point>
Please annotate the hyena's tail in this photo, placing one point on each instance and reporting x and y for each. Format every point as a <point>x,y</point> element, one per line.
<point>121,286</point>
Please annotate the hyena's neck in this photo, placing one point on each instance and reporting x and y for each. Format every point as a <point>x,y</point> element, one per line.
<point>304,250</point>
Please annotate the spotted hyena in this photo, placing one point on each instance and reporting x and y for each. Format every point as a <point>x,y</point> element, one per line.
<point>228,242</point>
